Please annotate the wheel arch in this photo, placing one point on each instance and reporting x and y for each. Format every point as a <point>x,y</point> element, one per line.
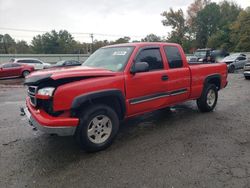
<point>213,79</point>
<point>112,97</point>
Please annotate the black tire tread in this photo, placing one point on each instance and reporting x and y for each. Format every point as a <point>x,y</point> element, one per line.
<point>85,116</point>
<point>202,101</point>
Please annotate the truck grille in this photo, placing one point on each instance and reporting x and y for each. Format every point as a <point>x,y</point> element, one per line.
<point>32,90</point>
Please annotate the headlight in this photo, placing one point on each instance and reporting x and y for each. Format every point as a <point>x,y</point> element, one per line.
<point>47,91</point>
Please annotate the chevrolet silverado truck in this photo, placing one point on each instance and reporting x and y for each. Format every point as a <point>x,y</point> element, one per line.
<point>115,83</point>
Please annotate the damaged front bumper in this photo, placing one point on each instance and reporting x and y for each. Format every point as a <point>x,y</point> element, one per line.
<point>40,120</point>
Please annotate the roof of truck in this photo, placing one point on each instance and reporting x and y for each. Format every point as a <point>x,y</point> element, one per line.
<point>139,44</point>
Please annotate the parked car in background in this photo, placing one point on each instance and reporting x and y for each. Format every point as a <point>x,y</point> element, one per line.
<point>218,55</point>
<point>247,71</point>
<point>235,61</point>
<point>209,55</point>
<point>203,55</point>
<point>11,70</point>
<point>36,63</point>
<point>66,63</point>
<point>192,58</point>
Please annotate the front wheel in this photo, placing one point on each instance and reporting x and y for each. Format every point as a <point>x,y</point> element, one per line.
<point>208,99</point>
<point>247,77</point>
<point>98,127</point>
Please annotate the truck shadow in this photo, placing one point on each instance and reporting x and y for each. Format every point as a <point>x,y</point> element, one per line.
<point>159,120</point>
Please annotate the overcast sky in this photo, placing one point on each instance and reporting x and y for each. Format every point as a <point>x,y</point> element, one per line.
<point>114,18</point>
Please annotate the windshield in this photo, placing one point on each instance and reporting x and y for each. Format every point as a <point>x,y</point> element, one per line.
<point>200,53</point>
<point>11,60</point>
<point>112,58</point>
<point>230,58</point>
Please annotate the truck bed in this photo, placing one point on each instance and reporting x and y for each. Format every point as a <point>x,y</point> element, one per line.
<point>198,70</point>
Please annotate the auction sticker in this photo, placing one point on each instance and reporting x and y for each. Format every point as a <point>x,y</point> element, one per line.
<point>120,53</point>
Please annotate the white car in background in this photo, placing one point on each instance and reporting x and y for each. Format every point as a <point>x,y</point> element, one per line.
<point>36,63</point>
<point>235,61</point>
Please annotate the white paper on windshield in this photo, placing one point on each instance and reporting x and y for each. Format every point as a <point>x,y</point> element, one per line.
<point>120,53</point>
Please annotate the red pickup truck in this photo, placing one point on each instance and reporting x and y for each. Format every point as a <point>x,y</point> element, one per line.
<point>115,83</point>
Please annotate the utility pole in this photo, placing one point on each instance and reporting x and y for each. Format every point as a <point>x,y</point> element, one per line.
<point>92,42</point>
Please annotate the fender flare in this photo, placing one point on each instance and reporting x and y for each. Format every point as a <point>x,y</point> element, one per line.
<point>89,97</point>
<point>213,76</point>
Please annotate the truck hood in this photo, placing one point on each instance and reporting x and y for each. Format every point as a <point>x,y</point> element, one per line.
<point>79,72</point>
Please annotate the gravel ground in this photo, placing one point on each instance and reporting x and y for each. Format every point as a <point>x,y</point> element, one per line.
<point>177,148</point>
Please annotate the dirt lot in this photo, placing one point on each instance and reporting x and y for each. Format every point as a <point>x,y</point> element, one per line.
<point>177,148</point>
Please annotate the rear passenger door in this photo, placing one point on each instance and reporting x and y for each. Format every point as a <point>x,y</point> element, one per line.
<point>179,76</point>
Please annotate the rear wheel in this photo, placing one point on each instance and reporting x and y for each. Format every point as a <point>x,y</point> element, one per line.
<point>25,73</point>
<point>231,69</point>
<point>247,77</point>
<point>98,128</point>
<point>208,99</point>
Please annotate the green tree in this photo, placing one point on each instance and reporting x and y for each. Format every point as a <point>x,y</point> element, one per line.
<point>176,20</point>
<point>98,44</point>
<point>54,42</point>
<point>151,38</point>
<point>7,44</point>
<point>22,47</point>
<point>229,12</point>
<point>192,12</point>
<point>179,33</point>
<point>240,31</point>
<point>121,40</point>
<point>206,23</point>
<point>37,44</point>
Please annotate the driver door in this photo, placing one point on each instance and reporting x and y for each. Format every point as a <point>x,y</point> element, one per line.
<point>146,91</point>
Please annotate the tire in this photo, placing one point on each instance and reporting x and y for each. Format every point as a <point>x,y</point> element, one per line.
<point>208,99</point>
<point>98,127</point>
<point>25,73</point>
<point>231,69</point>
<point>247,77</point>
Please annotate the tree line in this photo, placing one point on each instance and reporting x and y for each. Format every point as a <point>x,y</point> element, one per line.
<point>225,26</point>
<point>222,25</point>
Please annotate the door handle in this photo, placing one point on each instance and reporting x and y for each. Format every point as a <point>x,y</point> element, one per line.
<point>164,77</point>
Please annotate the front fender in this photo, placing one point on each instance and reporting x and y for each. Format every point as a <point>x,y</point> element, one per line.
<point>89,97</point>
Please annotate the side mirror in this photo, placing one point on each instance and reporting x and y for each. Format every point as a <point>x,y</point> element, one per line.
<point>139,67</point>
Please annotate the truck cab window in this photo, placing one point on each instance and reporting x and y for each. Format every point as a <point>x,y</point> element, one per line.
<point>173,56</point>
<point>152,57</point>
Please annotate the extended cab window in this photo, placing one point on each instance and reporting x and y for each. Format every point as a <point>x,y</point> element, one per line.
<point>152,57</point>
<point>173,57</point>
